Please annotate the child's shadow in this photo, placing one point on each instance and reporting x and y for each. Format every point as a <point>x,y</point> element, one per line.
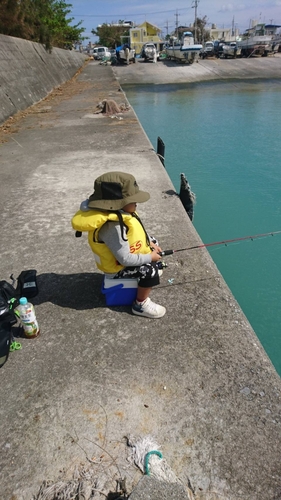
<point>76,291</point>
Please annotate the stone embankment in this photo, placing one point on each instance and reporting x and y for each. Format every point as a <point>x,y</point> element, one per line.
<point>197,381</point>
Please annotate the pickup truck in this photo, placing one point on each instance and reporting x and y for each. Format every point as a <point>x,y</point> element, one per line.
<point>231,50</point>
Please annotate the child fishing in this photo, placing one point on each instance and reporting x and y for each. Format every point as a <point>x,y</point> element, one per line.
<point>118,239</point>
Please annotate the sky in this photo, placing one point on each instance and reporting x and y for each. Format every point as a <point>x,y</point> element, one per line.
<point>167,13</point>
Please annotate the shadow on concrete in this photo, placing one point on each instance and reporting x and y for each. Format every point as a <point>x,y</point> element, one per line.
<point>115,496</point>
<point>171,192</point>
<point>144,61</point>
<point>171,62</point>
<point>76,291</point>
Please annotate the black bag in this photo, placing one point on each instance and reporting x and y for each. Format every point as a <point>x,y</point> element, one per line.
<point>8,301</point>
<point>27,284</point>
<point>5,341</point>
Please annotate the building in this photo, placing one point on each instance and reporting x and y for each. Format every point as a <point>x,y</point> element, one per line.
<point>145,32</point>
<point>225,34</point>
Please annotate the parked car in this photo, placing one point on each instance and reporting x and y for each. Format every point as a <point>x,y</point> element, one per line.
<point>230,50</point>
<point>100,52</point>
<point>149,52</point>
<point>218,47</point>
<point>208,50</point>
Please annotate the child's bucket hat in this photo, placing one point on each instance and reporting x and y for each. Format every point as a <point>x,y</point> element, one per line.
<point>114,190</point>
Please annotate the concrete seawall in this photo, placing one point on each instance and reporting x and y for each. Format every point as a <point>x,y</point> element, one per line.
<point>197,380</point>
<point>28,73</point>
<point>168,72</point>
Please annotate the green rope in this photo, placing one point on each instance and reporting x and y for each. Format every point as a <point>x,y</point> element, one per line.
<point>146,460</point>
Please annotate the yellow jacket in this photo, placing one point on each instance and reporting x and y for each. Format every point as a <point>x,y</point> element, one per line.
<point>93,220</point>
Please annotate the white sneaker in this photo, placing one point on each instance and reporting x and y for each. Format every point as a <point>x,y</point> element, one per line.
<point>148,309</point>
<point>160,272</point>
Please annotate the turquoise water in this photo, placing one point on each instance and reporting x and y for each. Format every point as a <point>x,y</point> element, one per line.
<point>226,138</point>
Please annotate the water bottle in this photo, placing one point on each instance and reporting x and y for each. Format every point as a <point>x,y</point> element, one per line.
<point>28,319</point>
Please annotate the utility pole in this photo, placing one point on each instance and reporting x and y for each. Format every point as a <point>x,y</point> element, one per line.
<point>196,2</point>
<point>167,28</point>
<point>177,24</point>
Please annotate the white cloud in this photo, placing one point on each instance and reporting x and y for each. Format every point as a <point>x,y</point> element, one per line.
<point>226,8</point>
<point>230,7</point>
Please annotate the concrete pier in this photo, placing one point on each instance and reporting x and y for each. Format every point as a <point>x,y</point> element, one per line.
<point>198,381</point>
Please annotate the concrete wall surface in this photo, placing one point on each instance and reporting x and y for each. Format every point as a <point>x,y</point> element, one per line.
<point>28,72</point>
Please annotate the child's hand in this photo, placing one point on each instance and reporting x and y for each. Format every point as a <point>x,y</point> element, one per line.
<point>155,247</point>
<point>155,256</point>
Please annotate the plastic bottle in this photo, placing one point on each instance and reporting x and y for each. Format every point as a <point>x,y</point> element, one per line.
<point>28,319</point>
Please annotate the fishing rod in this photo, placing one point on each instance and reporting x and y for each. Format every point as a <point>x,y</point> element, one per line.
<point>224,242</point>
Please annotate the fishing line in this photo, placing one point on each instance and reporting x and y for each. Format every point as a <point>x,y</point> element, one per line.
<point>224,242</point>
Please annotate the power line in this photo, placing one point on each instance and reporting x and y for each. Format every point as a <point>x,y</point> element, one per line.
<point>128,15</point>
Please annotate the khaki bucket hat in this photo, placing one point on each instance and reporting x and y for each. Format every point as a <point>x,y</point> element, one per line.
<point>114,190</point>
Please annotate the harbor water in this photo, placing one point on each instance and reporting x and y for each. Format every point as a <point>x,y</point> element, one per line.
<point>225,137</point>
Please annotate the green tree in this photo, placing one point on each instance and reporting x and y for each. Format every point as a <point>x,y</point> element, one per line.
<point>11,18</point>
<point>57,26</point>
<point>110,35</point>
<point>43,21</point>
<point>202,35</point>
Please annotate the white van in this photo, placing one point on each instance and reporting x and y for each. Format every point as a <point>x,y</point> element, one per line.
<point>100,52</point>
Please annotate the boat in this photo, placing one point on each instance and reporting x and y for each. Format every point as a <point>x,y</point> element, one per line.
<point>276,42</point>
<point>275,31</point>
<point>276,46</point>
<point>185,50</point>
<point>125,54</point>
<point>149,52</point>
<point>255,42</point>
